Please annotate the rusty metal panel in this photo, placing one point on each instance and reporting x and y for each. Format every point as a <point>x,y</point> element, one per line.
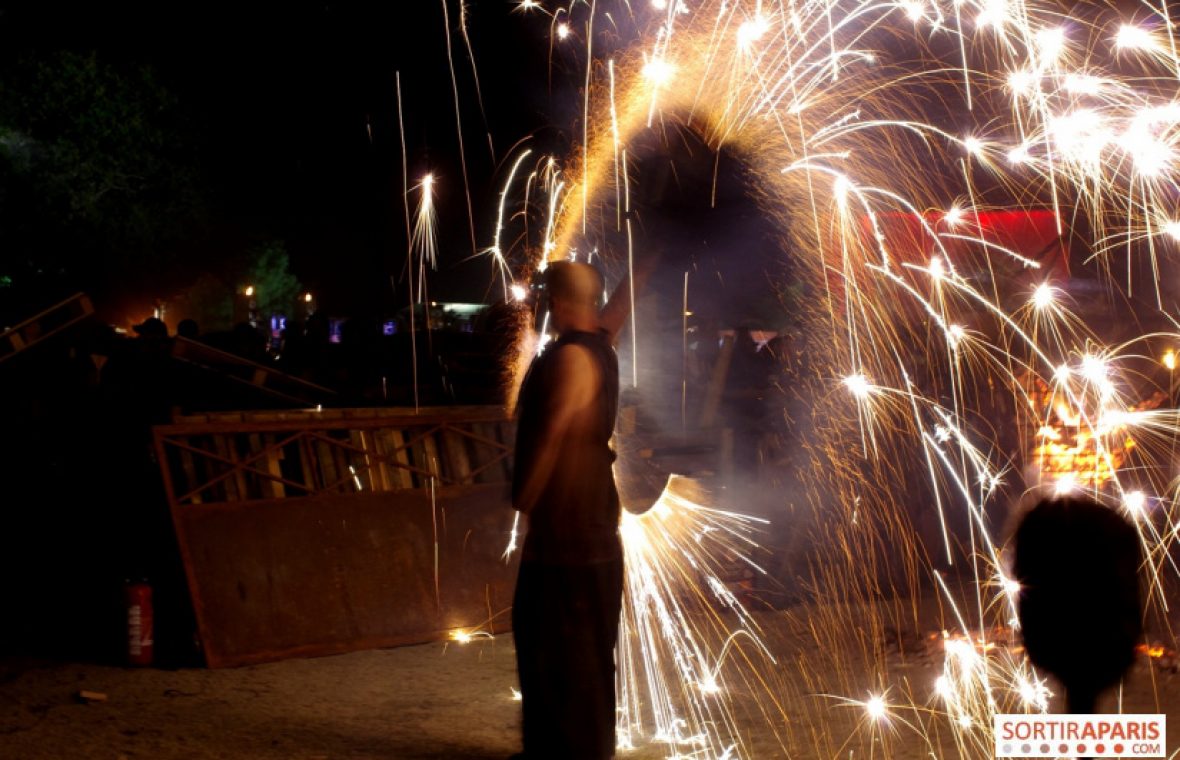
<point>307,533</point>
<point>340,572</point>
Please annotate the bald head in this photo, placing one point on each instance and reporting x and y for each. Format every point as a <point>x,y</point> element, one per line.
<point>574,282</point>
<point>575,291</point>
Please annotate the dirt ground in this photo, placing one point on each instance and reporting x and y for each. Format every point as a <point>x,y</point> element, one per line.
<point>431,701</point>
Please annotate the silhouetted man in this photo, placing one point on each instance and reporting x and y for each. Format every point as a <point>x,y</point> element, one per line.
<point>1077,563</point>
<point>569,592</point>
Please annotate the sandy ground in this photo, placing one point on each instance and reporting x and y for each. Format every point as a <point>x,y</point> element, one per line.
<point>431,701</point>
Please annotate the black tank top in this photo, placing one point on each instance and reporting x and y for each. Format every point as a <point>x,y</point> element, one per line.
<point>576,519</point>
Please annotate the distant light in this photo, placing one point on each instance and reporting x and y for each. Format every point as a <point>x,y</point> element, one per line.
<point>1151,155</point>
<point>528,5</point>
<point>1021,82</point>
<point>1048,431</point>
<point>249,290</point>
<point>1093,368</point>
<point>1019,155</point>
<point>1131,37</point>
<point>858,385</point>
<point>307,297</point>
<point>1050,42</point>
<point>751,31</point>
<point>841,188</point>
<point>956,333</point>
<point>658,71</point>
<point>1135,502</point>
<point>1031,694</point>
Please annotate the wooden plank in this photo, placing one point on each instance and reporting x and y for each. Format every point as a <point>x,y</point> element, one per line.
<point>403,478</point>
<point>367,466</point>
<point>454,447</point>
<point>273,464</point>
<point>189,468</point>
<point>325,463</point>
<point>378,468</point>
<point>482,453</point>
<point>307,465</point>
<point>430,460</point>
<point>334,419</point>
<point>222,446</point>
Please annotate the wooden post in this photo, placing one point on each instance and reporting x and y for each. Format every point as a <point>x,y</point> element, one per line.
<point>727,456</point>
<point>717,383</point>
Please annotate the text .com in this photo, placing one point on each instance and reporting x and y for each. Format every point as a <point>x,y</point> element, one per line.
<point>1080,735</point>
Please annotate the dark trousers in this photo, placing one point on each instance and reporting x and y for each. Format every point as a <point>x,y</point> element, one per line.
<point>565,621</point>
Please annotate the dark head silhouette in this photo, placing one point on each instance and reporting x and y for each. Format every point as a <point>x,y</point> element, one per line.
<point>152,327</point>
<point>1077,563</point>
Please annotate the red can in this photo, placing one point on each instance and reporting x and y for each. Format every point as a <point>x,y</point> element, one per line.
<point>139,623</point>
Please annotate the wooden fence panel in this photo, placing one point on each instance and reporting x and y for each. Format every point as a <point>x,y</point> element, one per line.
<point>287,556</point>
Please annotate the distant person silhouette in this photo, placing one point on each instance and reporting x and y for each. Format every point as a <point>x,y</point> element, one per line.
<point>249,342</point>
<point>188,329</point>
<point>743,401</point>
<point>1077,563</point>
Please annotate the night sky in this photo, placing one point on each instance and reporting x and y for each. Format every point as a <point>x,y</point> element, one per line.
<point>292,110</point>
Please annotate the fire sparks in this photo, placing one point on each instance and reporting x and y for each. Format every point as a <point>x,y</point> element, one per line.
<point>940,337</point>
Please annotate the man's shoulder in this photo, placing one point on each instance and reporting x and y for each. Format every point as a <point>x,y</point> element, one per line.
<point>573,357</point>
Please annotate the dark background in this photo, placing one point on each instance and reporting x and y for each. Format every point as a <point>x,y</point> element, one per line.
<point>272,121</point>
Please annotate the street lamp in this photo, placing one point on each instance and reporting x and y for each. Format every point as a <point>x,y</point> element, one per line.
<point>252,306</point>
<point>309,304</point>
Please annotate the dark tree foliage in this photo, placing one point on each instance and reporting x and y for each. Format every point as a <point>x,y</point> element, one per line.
<point>99,188</point>
<point>216,298</point>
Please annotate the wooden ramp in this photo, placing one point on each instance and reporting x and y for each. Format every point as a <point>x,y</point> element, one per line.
<point>311,533</point>
<point>45,325</point>
<point>245,373</point>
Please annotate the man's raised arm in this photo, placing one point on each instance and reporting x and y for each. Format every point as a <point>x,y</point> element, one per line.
<point>614,315</point>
